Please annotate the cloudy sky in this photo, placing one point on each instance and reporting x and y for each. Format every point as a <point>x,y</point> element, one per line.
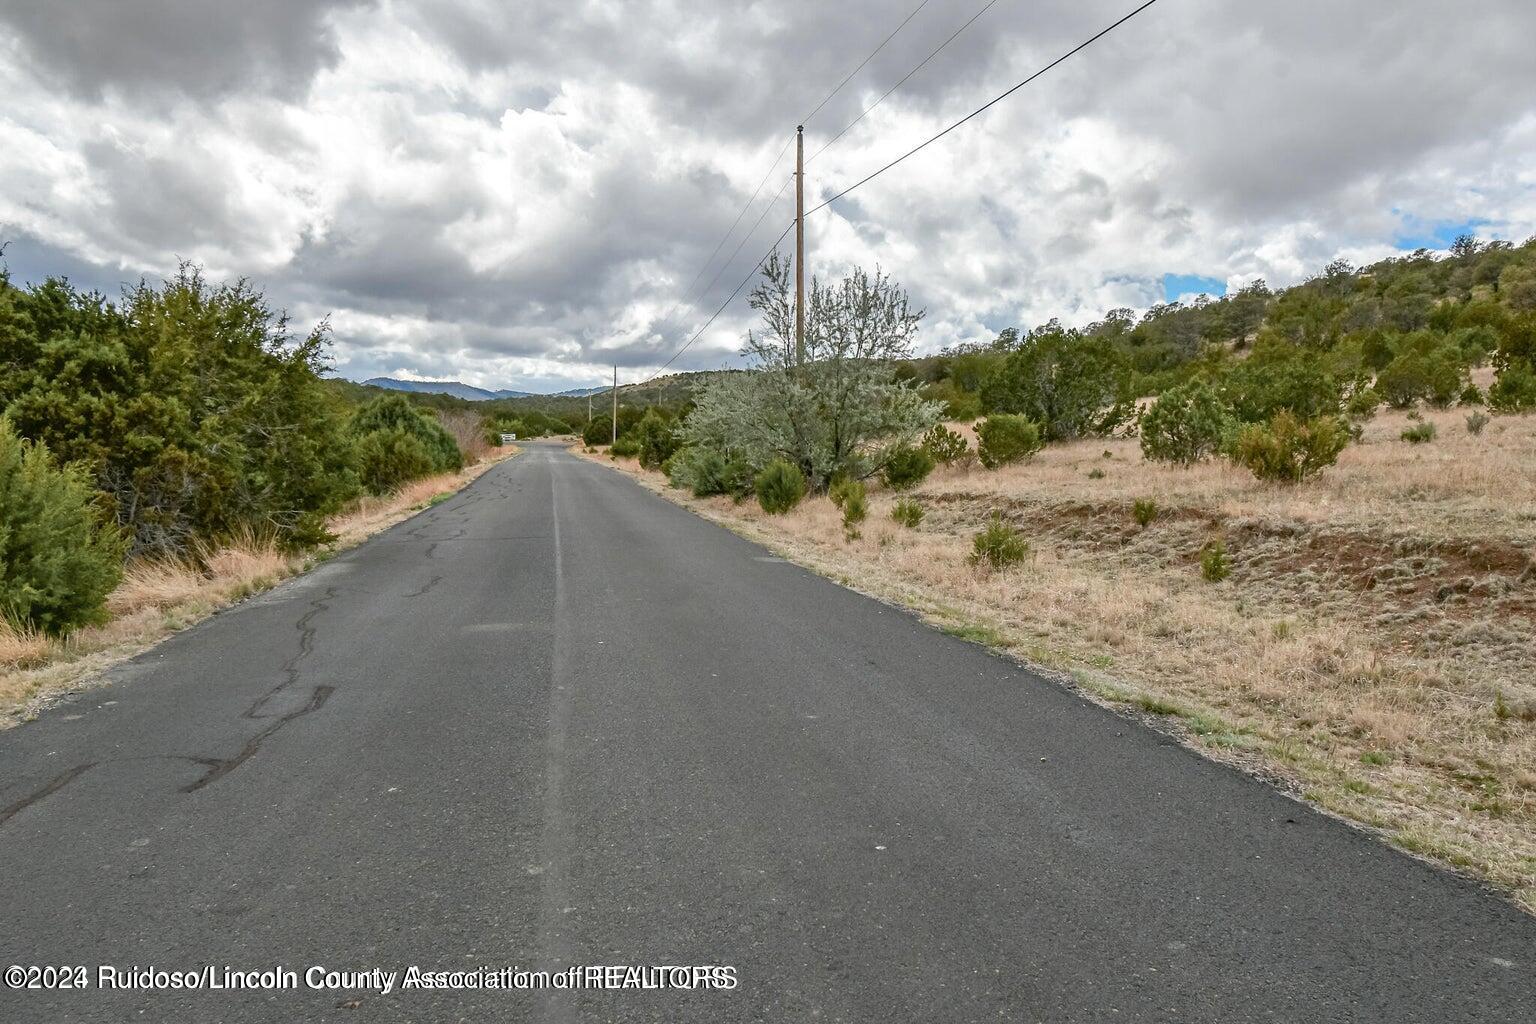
<point>521,194</point>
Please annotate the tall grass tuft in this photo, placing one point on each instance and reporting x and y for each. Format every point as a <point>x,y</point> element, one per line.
<point>998,545</point>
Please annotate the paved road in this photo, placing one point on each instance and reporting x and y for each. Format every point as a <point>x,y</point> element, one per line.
<point>557,720</point>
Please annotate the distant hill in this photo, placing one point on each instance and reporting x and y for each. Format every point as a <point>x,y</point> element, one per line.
<point>468,392</point>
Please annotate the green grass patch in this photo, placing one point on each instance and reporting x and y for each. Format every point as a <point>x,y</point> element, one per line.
<point>1157,705</point>
<point>976,634</point>
<point>1230,740</point>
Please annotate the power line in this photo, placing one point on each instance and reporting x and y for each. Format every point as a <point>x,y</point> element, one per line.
<point>726,237</point>
<point>687,293</point>
<point>746,237</point>
<point>901,82</point>
<point>735,292</point>
<point>729,299</point>
<point>807,118</point>
<point>985,106</point>
<point>870,177</point>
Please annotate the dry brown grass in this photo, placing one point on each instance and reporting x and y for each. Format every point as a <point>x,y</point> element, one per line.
<point>21,647</point>
<point>369,515</point>
<point>1375,644</point>
<point>467,430</point>
<point>158,596</point>
<point>1458,486</point>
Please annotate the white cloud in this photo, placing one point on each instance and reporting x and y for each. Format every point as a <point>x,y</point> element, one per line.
<point>503,193</point>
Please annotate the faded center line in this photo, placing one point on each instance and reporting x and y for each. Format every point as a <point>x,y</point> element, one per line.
<point>554,848</point>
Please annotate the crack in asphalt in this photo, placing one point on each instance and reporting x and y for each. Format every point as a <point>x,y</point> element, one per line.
<point>57,783</point>
<point>64,778</point>
<point>219,767</point>
<point>426,589</point>
<point>306,646</point>
<point>222,768</point>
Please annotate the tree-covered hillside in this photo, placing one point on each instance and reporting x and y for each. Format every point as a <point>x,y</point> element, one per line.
<point>1410,328</point>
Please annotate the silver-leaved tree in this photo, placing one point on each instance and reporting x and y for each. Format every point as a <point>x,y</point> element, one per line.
<point>841,410</point>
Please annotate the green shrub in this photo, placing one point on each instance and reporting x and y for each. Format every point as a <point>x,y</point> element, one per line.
<point>780,486</point>
<point>1432,374</point>
<point>959,404</point>
<point>945,446</point>
<point>497,426</point>
<point>1144,511</point>
<point>687,469</point>
<point>1517,343</point>
<point>1185,425</point>
<point>1476,422</point>
<point>706,472</point>
<point>998,545</point>
<point>841,484</point>
<point>1004,438</point>
<point>855,507</point>
<point>906,466</point>
<point>1287,449</point>
<point>599,431</point>
<point>1513,390</point>
<point>529,423</point>
<point>626,447</point>
<point>1471,395</point>
<point>1276,378</point>
<point>1096,473</point>
<point>1362,405</point>
<point>655,439</point>
<point>194,408</point>
<point>1215,566</point>
<point>57,561</point>
<point>1419,433</point>
<point>391,457</point>
<point>908,513</point>
<point>393,412</point>
<point>1069,384</point>
<point>395,443</point>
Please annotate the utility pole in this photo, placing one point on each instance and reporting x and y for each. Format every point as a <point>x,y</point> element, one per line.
<point>800,245</point>
<point>615,404</point>
<point>589,407</point>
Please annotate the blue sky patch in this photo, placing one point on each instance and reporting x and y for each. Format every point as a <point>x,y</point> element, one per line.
<point>1432,234</point>
<point>1175,285</point>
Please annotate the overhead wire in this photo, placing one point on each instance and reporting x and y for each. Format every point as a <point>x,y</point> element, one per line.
<point>871,56</point>
<point>901,81</point>
<point>687,295</point>
<point>881,170</point>
<point>984,107</point>
<point>737,290</point>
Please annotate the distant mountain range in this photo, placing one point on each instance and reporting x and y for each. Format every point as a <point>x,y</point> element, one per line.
<point>469,392</point>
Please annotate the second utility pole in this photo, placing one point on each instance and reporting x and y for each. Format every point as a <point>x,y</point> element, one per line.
<point>800,245</point>
<point>615,403</point>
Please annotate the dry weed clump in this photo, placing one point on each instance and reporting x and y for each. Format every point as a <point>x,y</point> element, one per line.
<point>468,431</point>
<point>369,515</point>
<point>1373,641</point>
<point>21,647</point>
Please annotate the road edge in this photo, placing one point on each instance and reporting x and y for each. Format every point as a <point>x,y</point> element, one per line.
<point>1105,692</point>
<point>88,671</point>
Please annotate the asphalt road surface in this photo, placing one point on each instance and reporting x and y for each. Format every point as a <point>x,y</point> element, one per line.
<point>558,721</point>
